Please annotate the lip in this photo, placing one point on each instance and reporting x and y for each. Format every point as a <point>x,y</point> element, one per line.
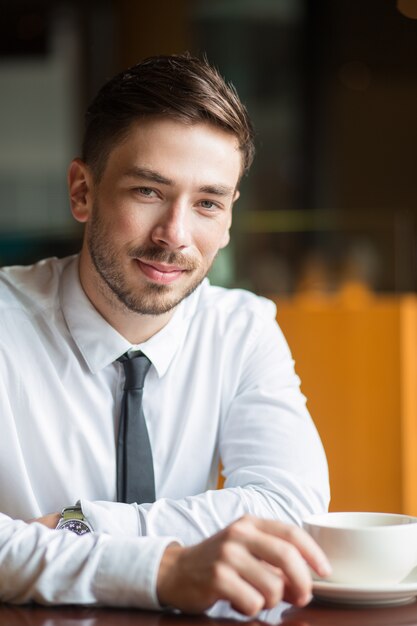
<point>160,273</point>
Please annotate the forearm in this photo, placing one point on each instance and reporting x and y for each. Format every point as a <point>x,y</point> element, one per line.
<point>54,567</point>
<point>195,518</point>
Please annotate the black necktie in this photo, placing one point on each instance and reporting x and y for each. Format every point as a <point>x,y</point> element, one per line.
<point>135,476</point>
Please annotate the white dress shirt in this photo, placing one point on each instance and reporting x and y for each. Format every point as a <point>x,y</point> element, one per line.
<point>221,387</point>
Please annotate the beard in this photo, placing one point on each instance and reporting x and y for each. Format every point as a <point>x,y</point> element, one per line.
<point>149,298</point>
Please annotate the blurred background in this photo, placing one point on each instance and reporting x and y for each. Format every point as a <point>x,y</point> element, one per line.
<point>326,224</point>
<point>331,87</point>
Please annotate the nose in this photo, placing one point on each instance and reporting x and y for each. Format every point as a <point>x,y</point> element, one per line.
<point>172,229</point>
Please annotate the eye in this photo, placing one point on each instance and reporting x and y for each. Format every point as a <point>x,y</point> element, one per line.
<point>146,191</point>
<point>208,204</point>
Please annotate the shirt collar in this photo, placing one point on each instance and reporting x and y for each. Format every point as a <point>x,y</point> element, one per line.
<point>99,343</point>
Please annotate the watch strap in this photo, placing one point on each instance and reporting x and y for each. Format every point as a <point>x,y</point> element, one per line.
<point>72,518</point>
<point>72,512</point>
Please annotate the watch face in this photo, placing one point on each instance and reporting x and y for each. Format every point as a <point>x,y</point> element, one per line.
<point>76,526</point>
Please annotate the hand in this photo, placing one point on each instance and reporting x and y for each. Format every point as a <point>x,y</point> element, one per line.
<point>253,564</point>
<point>50,520</point>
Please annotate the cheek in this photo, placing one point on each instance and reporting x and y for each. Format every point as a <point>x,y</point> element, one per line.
<point>128,225</point>
<point>210,240</point>
<point>226,238</point>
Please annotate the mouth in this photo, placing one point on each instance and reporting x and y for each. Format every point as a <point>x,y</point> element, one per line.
<point>161,273</point>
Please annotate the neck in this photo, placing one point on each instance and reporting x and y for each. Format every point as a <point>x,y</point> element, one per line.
<point>134,327</point>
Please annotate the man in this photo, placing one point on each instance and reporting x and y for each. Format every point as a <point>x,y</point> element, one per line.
<point>165,147</point>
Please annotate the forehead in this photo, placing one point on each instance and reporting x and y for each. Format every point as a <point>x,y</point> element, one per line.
<point>164,143</point>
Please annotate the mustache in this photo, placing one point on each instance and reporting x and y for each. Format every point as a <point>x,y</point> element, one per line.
<point>154,253</point>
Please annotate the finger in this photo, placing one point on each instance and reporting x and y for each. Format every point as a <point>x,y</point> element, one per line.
<point>289,595</point>
<point>277,552</point>
<point>266,579</point>
<point>51,520</point>
<point>299,538</point>
<point>286,557</point>
<point>243,597</point>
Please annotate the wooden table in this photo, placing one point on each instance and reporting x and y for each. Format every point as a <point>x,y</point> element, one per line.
<point>313,615</point>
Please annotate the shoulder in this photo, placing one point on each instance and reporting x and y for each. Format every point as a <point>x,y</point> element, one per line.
<point>237,329</point>
<point>228,301</point>
<point>31,287</point>
<point>231,309</point>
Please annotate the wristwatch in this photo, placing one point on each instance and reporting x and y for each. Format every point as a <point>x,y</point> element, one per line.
<point>72,518</point>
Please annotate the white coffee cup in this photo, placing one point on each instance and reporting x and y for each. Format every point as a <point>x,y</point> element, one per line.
<point>366,548</point>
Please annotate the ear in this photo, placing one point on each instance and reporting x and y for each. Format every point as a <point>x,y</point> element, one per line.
<point>226,236</point>
<point>80,186</point>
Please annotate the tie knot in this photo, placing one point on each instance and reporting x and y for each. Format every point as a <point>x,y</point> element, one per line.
<point>136,367</point>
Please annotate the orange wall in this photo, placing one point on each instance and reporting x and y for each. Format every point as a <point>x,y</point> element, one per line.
<point>358,366</point>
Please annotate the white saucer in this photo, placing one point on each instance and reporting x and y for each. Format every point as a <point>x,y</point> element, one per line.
<point>373,595</point>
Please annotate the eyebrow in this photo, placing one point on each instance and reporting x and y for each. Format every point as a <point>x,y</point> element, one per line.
<point>217,190</point>
<point>153,176</point>
<point>147,174</point>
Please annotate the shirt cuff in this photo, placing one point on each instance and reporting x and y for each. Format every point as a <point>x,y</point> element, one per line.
<point>112,518</point>
<point>127,571</point>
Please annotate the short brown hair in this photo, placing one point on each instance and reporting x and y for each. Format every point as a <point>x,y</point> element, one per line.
<point>181,87</point>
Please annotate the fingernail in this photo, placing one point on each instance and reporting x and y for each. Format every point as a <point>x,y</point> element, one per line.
<point>325,569</point>
<point>306,599</point>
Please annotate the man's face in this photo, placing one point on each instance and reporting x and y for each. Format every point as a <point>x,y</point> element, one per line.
<point>160,213</point>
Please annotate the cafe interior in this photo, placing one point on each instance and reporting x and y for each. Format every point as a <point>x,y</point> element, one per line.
<point>326,225</point>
